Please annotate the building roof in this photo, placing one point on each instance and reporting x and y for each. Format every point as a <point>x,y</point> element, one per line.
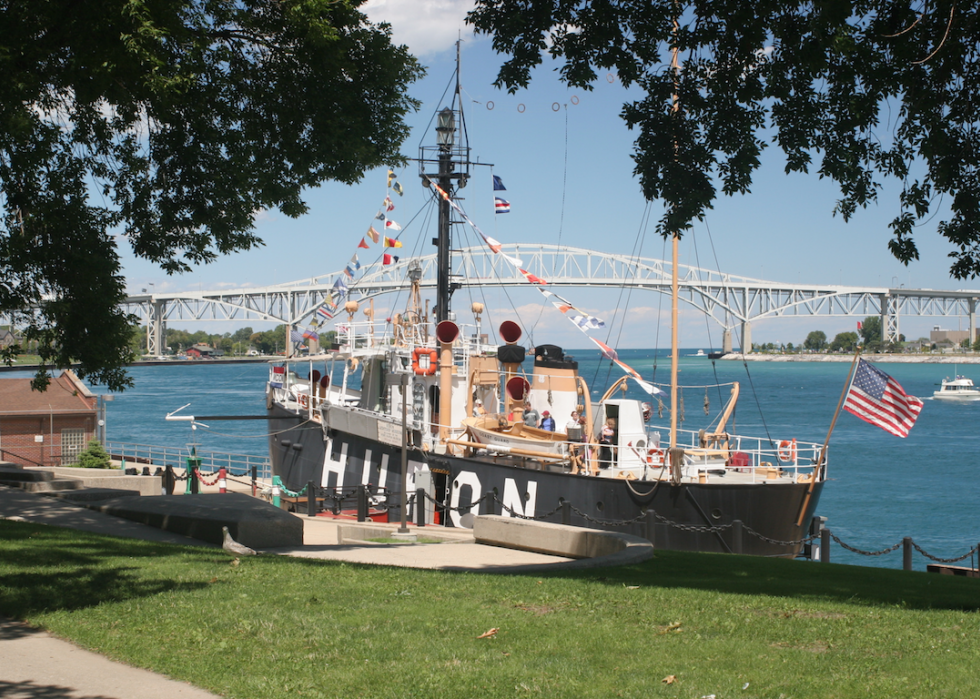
<point>65,394</point>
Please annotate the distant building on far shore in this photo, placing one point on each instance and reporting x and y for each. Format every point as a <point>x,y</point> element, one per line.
<point>938,336</point>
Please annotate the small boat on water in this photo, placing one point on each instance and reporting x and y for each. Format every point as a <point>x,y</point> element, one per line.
<point>957,388</point>
<point>425,406</point>
<point>699,353</point>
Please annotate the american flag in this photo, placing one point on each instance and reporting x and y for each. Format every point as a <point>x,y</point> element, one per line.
<point>877,398</point>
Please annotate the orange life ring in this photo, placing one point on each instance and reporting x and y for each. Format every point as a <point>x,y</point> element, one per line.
<point>304,400</point>
<point>787,450</point>
<point>422,368</point>
<point>656,453</point>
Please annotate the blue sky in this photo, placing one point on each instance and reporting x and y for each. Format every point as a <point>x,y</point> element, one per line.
<point>565,158</point>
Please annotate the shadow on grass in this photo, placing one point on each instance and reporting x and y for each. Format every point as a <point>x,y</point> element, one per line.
<point>79,570</point>
<point>749,575</point>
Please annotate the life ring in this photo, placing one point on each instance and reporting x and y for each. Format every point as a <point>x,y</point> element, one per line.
<point>304,400</point>
<point>656,453</point>
<point>787,450</point>
<point>424,361</point>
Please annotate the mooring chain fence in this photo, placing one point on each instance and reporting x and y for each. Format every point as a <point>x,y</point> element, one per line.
<point>866,553</point>
<point>928,555</point>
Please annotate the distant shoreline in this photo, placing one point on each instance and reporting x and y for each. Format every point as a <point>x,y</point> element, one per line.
<point>887,358</point>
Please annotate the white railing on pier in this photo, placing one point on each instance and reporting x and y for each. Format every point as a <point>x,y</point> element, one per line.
<point>138,455</point>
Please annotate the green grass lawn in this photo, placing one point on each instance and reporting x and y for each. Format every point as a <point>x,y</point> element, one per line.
<point>732,626</point>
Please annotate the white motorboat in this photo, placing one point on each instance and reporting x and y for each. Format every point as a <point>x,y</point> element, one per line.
<point>957,388</point>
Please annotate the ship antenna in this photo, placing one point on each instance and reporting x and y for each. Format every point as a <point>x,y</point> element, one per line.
<point>451,158</point>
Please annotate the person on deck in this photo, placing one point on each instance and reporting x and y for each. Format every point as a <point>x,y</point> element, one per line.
<point>606,449</point>
<point>531,416</point>
<point>547,422</point>
<point>478,409</point>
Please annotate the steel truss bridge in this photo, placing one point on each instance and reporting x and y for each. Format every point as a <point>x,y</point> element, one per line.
<point>734,302</point>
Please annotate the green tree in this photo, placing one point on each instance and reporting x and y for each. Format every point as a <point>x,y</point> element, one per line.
<point>862,92</point>
<point>94,456</point>
<point>871,331</point>
<point>171,123</point>
<point>844,342</point>
<point>816,341</point>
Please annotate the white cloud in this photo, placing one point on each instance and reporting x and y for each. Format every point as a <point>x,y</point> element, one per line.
<point>427,27</point>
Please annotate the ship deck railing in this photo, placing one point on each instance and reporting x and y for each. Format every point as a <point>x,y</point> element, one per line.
<point>138,455</point>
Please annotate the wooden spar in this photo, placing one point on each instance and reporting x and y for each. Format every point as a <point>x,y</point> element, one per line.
<point>508,450</point>
<point>823,450</point>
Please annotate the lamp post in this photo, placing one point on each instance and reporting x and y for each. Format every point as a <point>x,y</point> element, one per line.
<point>403,381</point>
<point>103,399</point>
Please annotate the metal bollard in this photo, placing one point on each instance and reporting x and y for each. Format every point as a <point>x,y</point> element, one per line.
<point>825,546</point>
<point>255,480</point>
<point>222,480</point>
<point>310,499</point>
<point>362,503</point>
<point>490,502</point>
<point>168,480</point>
<point>736,536</point>
<point>276,492</point>
<point>651,522</point>
<point>420,507</point>
<point>907,553</point>
<point>566,512</point>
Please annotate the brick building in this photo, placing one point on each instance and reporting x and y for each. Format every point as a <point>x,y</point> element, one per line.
<point>46,428</point>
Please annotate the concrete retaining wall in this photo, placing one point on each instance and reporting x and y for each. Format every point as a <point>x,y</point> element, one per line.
<point>107,478</point>
<point>600,547</point>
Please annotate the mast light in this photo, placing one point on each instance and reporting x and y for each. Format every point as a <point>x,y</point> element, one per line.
<point>446,128</point>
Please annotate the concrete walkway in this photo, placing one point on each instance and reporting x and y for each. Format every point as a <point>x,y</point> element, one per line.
<point>34,664</point>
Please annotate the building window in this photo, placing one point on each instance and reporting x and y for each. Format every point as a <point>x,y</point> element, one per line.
<point>72,444</point>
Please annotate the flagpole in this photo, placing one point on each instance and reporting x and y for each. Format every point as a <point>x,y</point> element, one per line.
<point>823,450</point>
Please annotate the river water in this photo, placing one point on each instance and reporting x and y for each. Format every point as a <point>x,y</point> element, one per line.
<point>880,489</point>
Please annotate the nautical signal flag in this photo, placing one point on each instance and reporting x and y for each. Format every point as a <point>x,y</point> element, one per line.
<point>392,243</point>
<point>387,259</point>
<point>878,399</point>
<point>389,204</point>
<point>391,176</point>
<point>363,244</point>
<point>531,278</point>
<point>323,313</point>
<point>498,184</point>
<point>392,226</point>
<point>502,206</point>
<point>310,335</point>
<point>373,234</point>
<point>397,187</point>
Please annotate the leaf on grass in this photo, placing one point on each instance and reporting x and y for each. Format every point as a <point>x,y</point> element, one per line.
<point>676,626</point>
<point>213,580</point>
<point>669,679</point>
<point>489,634</point>
<point>235,562</point>
<point>632,587</point>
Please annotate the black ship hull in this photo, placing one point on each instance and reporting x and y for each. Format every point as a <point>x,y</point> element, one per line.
<point>688,516</point>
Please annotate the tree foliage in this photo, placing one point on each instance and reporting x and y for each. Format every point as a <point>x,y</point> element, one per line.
<point>816,340</point>
<point>861,91</point>
<point>166,126</point>
<point>844,342</point>
<point>871,330</point>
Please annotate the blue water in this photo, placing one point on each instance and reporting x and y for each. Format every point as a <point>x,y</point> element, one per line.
<point>880,489</point>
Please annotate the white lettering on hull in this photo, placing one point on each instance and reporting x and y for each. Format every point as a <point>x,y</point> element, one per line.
<point>366,468</point>
<point>465,478</point>
<point>332,466</point>
<point>514,500</point>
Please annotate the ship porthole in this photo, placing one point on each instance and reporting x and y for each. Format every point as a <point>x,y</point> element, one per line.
<point>716,513</point>
<point>599,506</point>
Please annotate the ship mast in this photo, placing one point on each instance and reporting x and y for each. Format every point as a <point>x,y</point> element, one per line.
<point>451,159</point>
<point>674,352</point>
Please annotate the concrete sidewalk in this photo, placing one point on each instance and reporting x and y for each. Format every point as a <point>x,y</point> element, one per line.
<point>34,664</point>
